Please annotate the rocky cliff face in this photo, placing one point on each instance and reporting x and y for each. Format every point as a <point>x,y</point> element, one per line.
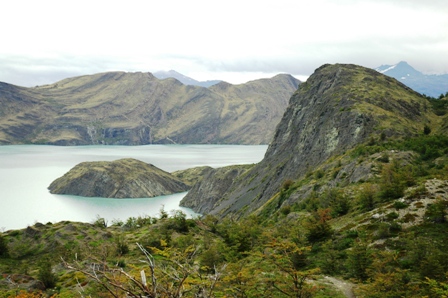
<point>339,107</point>
<point>218,181</point>
<point>124,178</point>
<point>120,108</point>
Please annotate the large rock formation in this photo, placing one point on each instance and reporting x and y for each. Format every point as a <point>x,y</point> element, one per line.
<point>339,107</point>
<point>137,108</point>
<point>218,181</point>
<point>124,178</point>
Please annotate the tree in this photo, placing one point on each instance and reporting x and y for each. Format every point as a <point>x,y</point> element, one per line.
<point>366,197</point>
<point>291,280</point>
<point>359,260</point>
<point>318,227</point>
<point>436,288</point>
<point>436,212</point>
<point>387,279</point>
<point>391,184</point>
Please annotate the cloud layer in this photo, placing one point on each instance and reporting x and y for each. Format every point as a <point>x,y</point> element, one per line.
<point>45,41</point>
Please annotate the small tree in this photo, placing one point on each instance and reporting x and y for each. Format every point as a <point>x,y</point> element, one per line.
<point>318,227</point>
<point>391,183</point>
<point>293,278</point>
<point>436,212</point>
<point>359,261</point>
<point>367,195</point>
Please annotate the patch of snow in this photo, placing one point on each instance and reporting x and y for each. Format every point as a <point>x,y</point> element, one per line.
<point>387,69</point>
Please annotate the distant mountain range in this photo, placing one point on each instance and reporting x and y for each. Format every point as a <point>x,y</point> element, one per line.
<point>119,108</point>
<point>184,79</point>
<point>432,85</point>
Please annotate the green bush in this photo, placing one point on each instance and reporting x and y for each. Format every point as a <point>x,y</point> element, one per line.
<point>391,183</point>
<point>436,213</point>
<point>46,275</point>
<point>3,247</point>
<point>400,205</point>
<point>428,146</point>
<point>359,261</point>
<point>392,216</point>
<point>121,246</point>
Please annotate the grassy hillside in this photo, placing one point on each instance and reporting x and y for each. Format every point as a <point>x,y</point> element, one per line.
<point>371,222</point>
<point>359,238</point>
<point>351,200</point>
<point>339,108</point>
<point>137,108</point>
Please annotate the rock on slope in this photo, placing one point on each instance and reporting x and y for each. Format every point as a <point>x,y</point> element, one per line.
<point>339,107</point>
<point>218,182</point>
<point>124,178</point>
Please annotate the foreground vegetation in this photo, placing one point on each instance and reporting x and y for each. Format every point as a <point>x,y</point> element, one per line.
<point>381,236</point>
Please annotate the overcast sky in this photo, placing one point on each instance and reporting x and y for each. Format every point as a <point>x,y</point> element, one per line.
<point>236,41</point>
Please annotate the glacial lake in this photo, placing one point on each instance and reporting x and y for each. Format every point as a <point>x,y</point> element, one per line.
<point>27,170</point>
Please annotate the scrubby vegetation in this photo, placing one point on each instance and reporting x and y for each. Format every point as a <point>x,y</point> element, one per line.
<point>384,235</point>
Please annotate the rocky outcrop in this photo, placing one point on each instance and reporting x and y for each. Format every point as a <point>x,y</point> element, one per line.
<point>124,178</point>
<point>218,181</point>
<point>339,107</point>
<point>118,108</point>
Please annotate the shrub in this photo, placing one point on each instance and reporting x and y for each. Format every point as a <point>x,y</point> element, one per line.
<point>100,222</point>
<point>436,212</point>
<point>3,247</point>
<point>319,174</point>
<point>318,227</point>
<point>400,205</point>
<point>287,184</point>
<point>391,184</point>
<point>46,275</point>
<point>384,157</point>
<point>392,216</point>
<point>359,261</point>
<point>121,246</point>
<point>366,197</point>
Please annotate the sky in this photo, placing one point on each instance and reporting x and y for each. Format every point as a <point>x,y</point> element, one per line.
<point>44,41</point>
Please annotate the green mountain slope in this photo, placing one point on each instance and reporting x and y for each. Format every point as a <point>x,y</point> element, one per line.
<point>338,108</point>
<point>351,200</point>
<point>137,108</point>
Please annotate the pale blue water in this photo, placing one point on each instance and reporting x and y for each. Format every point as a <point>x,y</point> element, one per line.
<point>27,170</point>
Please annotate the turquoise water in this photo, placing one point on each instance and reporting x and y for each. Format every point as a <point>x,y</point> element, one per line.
<point>27,170</point>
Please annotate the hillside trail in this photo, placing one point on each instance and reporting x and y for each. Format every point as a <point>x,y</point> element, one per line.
<point>346,287</point>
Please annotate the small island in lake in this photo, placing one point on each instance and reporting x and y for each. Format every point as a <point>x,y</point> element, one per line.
<point>124,178</point>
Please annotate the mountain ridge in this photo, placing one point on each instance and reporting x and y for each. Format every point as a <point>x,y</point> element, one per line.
<point>339,107</point>
<point>431,85</point>
<point>137,108</point>
<point>184,79</point>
